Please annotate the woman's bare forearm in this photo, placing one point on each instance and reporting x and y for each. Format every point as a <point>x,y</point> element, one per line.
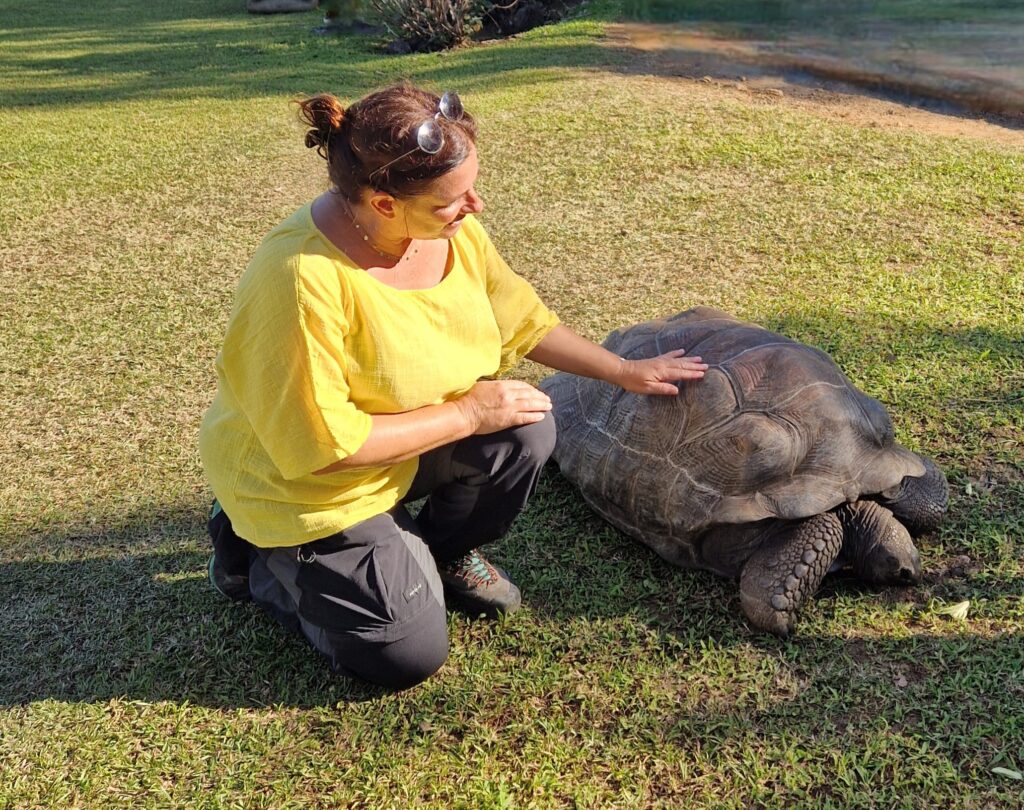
<point>563,349</point>
<point>487,407</point>
<point>400,436</point>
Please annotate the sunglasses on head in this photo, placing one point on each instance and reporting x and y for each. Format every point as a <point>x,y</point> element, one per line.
<point>429,135</point>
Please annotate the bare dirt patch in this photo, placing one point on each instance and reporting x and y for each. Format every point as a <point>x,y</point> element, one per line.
<point>944,99</point>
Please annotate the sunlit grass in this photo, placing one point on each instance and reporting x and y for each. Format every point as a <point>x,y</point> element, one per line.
<point>142,162</point>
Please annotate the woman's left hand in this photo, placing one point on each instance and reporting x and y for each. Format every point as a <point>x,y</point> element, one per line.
<point>656,374</point>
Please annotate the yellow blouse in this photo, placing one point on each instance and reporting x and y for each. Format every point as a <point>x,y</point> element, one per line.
<point>315,345</point>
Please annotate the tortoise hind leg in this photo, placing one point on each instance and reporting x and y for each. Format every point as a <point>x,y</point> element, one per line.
<point>787,568</point>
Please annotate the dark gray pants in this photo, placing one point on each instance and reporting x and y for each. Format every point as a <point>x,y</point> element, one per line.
<point>369,598</point>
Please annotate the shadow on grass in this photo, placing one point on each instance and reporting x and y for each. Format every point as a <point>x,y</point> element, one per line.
<point>991,100</point>
<point>136,618</point>
<point>949,56</point>
<point>147,625</point>
<point>574,564</point>
<point>189,49</point>
<point>861,656</point>
<point>193,49</point>
<point>852,16</point>
<point>130,612</point>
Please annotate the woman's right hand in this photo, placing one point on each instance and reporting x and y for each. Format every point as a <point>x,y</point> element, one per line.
<point>493,405</point>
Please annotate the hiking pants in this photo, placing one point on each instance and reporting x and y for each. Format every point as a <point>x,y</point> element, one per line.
<point>369,598</point>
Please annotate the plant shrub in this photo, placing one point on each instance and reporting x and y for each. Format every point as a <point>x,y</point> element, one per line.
<point>431,25</point>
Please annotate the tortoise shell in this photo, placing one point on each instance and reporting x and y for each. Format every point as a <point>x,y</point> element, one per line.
<point>773,430</point>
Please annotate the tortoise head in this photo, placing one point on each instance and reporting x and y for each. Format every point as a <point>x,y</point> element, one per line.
<point>919,502</point>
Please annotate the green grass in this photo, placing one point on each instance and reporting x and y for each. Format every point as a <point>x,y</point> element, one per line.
<point>147,148</point>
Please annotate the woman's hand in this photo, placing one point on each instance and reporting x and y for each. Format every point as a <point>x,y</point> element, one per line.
<point>564,350</point>
<point>493,405</point>
<point>656,375</point>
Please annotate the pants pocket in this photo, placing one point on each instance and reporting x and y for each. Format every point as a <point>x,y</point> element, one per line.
<point>342,589</point>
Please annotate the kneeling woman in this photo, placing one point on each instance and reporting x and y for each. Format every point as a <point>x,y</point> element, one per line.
<point>355,378</point>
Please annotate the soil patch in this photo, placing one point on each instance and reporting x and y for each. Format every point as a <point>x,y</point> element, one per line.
<point>943,100</point>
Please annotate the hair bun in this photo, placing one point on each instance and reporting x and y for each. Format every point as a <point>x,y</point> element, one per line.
<point>324,115</point>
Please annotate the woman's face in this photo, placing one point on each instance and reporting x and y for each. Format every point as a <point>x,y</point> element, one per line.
<point>438,212</point>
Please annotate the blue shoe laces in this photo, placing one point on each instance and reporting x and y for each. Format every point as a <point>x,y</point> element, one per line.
<point>474,569</point>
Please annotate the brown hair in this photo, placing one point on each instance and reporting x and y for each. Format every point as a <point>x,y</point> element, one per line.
<point>370,133</point>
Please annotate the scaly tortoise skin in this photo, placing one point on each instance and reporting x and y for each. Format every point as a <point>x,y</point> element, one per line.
<point>773,468</point>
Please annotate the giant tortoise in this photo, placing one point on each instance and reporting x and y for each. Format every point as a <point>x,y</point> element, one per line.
<point>773,468</point>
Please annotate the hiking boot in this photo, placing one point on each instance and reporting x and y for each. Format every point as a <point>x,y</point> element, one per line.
<point>232,586</point>
<point>479,587</point>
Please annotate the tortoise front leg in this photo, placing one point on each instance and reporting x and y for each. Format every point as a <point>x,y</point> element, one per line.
<point>787,568</point>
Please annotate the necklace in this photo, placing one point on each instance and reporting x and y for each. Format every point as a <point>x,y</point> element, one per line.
<point>369,242</point>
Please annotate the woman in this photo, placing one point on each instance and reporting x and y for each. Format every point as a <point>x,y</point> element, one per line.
<point>357,376</point>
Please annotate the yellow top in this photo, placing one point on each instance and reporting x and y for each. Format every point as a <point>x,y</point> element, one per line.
<point>315,345</point>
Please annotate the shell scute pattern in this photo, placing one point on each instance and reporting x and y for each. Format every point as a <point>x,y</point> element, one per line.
<point>774,430</point>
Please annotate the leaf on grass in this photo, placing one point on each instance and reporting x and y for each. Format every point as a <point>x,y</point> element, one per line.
<point>1007,772</point>
<point>957,611</point>
<point>981,486</point>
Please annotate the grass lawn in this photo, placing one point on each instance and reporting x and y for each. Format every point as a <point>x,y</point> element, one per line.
<point>147,147</point>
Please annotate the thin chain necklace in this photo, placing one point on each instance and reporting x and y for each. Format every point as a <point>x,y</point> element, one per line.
<point>366,238</point>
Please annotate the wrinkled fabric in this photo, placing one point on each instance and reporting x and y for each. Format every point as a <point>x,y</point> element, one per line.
<point>315,345</point>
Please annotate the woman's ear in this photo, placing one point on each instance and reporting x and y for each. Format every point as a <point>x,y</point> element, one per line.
<point>384,204</point>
